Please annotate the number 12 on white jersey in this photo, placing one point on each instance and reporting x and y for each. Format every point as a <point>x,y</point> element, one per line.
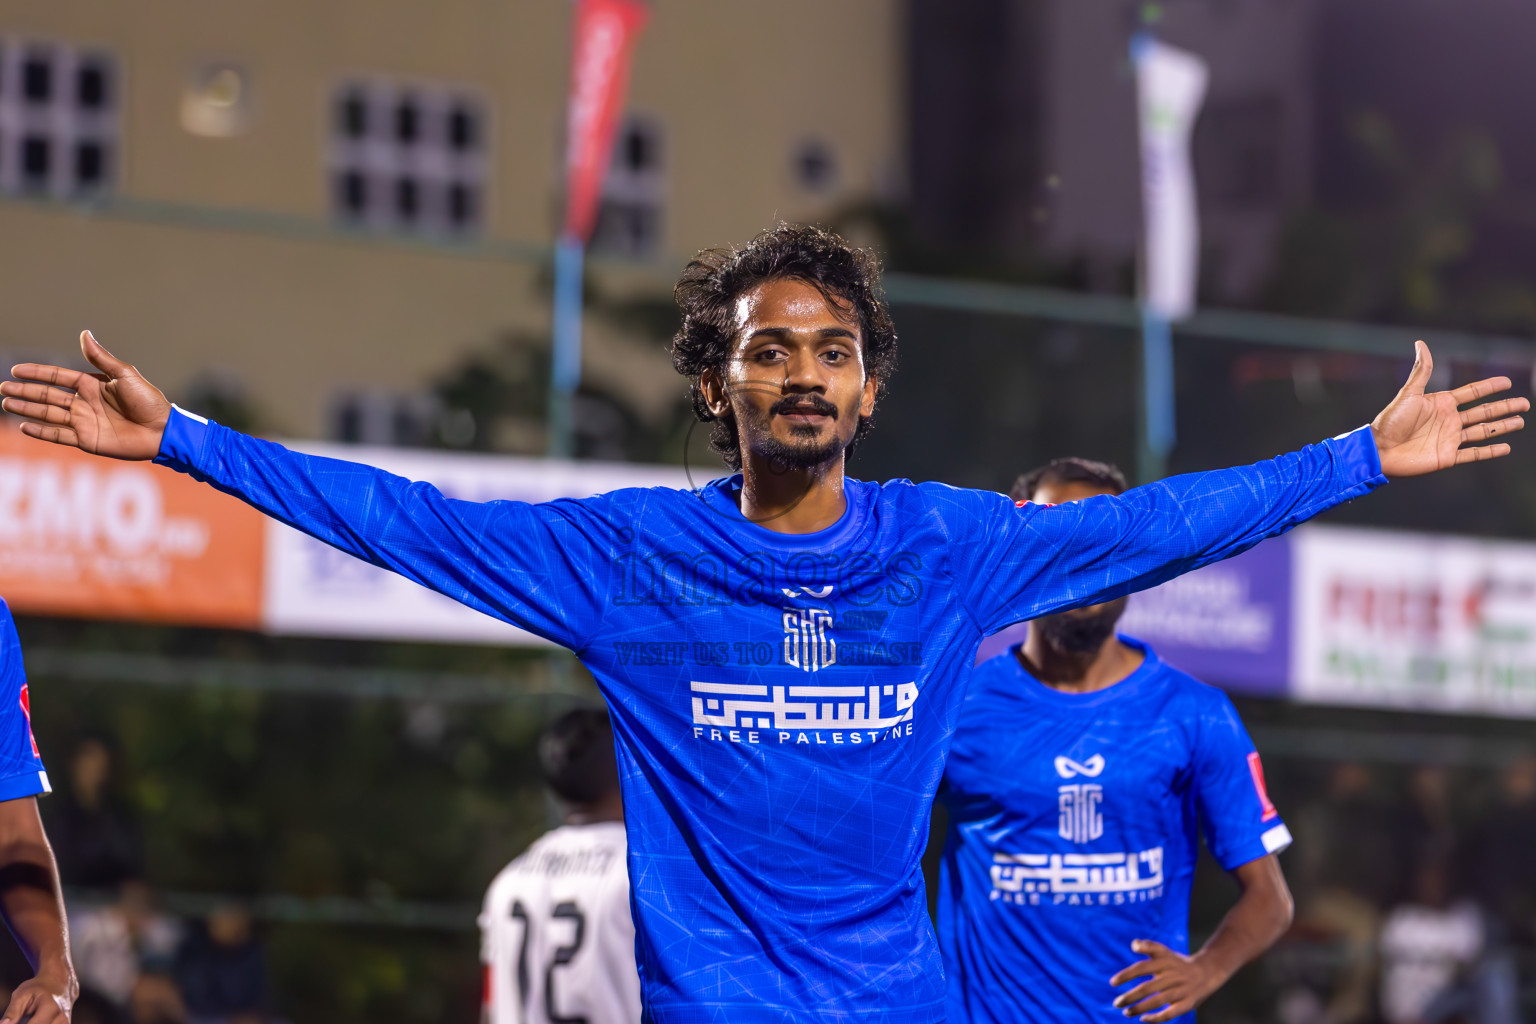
<point>558,942</point>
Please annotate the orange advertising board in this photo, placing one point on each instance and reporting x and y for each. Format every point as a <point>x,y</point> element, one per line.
<point>90,537</point>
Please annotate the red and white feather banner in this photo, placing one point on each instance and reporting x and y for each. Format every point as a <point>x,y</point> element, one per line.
<point>605,36</point>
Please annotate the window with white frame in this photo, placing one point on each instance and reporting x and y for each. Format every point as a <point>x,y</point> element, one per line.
<point>58,118</point>
<point>629,219</point>
<point>408,156</point>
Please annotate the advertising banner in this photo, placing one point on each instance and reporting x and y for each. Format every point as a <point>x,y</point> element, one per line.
<point>1327,614</point>
<point>1415,621</point>
<point>1227,623</point>
<point>604,40</point>
<point>313,589</point>
<point>89,537</point>
<point>1170,86</point>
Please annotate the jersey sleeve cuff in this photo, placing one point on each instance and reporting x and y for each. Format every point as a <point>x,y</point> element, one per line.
<point>1275,838</point>
<point>186,436</point>
<point>1359,456</point>
<point>26,784</point>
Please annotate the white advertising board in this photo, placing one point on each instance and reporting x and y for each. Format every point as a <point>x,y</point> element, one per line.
<point>312,589</point>
<point>1414,621</point>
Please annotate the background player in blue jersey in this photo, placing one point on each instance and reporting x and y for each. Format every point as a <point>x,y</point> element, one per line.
<point>1083,771</point>
<point>784,651</point>
<point>31,899</point>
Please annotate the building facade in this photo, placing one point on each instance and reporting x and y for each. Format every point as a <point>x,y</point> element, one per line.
<point>305,201</point>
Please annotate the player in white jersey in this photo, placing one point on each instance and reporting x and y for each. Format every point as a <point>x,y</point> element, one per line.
<point>557,939</point>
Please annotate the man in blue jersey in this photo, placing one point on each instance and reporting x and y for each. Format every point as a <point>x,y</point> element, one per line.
<point>1083,771</point>
<point>783,652</point>
<point>31,900</point>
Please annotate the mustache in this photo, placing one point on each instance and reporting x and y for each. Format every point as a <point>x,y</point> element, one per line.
<point>803,403</point>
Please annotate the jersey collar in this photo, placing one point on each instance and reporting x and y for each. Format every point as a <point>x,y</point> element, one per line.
<point>721,496</point>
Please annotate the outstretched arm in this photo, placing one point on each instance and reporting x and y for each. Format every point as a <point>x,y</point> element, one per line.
<point>118,413</point>
<point>1026,562</point>
<point>1177,984</point>
<point>537,566</point>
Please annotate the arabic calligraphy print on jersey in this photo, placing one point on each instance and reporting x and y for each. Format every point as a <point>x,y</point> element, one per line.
<point>1077,878</point>
<point>748,706</point>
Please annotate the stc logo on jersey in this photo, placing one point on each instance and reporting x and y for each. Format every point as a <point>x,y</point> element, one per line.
<point>808,641</point>
<point>1080,818</point>
<point>1079,804</point>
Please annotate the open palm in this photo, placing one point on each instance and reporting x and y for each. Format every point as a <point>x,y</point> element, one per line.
<point>1420,433</point>
<point>116,412</point>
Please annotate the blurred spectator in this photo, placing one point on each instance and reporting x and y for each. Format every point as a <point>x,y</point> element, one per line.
<point>1429,826</point>
<point>1348,854</point>
<point>1500,852</point>
<point>1352,840</point>
<point>222,971</point>
<point>95,836</point>
<point>1433,963</point>
<point>156,1000</point>
<point>114,945</point>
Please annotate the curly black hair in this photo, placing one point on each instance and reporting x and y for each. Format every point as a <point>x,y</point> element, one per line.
<point>1070,470</point>
<point>706,296</point>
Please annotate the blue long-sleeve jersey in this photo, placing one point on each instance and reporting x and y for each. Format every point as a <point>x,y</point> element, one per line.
<point>782,704</point>
<point>1074,827</point>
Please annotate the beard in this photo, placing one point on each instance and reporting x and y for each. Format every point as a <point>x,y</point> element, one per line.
<point>806,447</point>
<point>1083,631</point>
<point>803,452</point>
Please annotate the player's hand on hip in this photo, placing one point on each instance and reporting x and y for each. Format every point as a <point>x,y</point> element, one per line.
<point>1420,433</point>
<point>41,1001</point>
<point>1175,984</point>
<point>115,412</point>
